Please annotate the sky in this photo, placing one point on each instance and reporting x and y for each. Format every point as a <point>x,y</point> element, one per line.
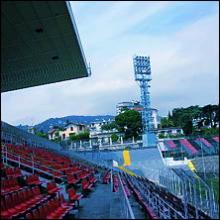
<point>181,38</point>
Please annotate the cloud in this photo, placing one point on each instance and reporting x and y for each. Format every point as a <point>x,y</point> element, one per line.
<point>184,63</point>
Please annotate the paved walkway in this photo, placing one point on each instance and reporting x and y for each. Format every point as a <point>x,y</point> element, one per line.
<point>101,203</point>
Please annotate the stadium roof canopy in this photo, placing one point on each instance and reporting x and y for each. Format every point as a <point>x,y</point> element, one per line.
<point>39,44</point>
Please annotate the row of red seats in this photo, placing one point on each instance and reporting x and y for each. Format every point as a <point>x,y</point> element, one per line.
<point>83,175</point>
<point>12,172</point>
<point>72,179</point>
<point>33,180</point>
<point>115,183</point>
<point>52,188</point>
<point>86,185</point>
<point>87,181</point>
<point>73,196</point>
<point>92,179</point>
<point>10,206</point>
<point>74,169</point>
<point>43,157</point>
<point>21,201</point>
<point>106,177</point>
<point>39,154</point>
<point>9,185</point>
<point>83,172</point>
<point>149,211</point>
<point>127,191</point>
<point>54,208</point>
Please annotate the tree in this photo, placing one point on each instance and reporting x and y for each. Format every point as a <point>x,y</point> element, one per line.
<point>161,136</point>
<point>210,115</point>
<point>166,123</point>
<point>129,122</point>
<point>169,115</point>
<point>114,137</point>
<point>182,117</point>
<point>57,139</point>
<point>56,133</point>
<point>42,134</point>
<point>109,127</point>
<point>84,135</point>
<point>73,137</point>
<point>80,136</point>
<point>209,131</point>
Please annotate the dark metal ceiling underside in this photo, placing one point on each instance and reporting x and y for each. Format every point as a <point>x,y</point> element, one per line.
<point>39,44</point>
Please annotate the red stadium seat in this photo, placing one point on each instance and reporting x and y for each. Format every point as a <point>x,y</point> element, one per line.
<point>72,180</point>
<point>86,185</point>
<point>52,188</point>
<point>73,196</point>
<point>33,180</point>
<point>92,179</point>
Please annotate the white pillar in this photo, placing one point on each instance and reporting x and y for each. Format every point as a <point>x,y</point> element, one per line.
<point>80,144</point>
<point>133,140</point>
<point>121,140</point>
<point>110,140</point>
<point>90,143</point>
<point>100,142</point>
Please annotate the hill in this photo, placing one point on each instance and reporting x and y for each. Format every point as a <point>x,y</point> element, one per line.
<point>45,125</point>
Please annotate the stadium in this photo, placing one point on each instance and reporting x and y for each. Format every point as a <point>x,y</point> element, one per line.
<point>174,178</point>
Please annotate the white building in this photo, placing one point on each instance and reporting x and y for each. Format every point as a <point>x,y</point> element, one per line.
<point>96,126</point>
<point>135,105</point>
<point>155,118</point>
<point>96,131</point>
<point>31,129</point>
<point>170,131</point>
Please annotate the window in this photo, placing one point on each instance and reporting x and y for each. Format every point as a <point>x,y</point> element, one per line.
<point>63,136</point>
<point>80,127</point>
<point>71,128</point>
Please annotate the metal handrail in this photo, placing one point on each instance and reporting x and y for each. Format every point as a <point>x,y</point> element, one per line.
<point>19,158</point>
<point>126,199</point>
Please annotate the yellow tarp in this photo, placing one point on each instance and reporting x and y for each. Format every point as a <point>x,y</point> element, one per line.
<point>127,171</point>
<point>127,159</point>
<point>191,166</point>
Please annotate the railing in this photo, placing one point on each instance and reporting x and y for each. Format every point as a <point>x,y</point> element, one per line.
<point>86,146</point>
<point>192,189</point>
<point>128,209</point>
<point>12,134</point>
<point>204,141</point>
<point>34,166</point>
<point>162,208</point>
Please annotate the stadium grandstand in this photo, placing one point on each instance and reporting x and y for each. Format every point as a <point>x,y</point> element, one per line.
<point>190,147</point>
<point>42,180</point>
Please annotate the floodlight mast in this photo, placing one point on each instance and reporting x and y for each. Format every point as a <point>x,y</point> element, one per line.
<point>142,71</point>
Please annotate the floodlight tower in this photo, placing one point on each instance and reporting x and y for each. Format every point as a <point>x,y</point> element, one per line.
<point>142,71</point>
